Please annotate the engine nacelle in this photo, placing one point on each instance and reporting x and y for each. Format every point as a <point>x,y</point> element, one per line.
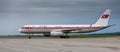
<point>56,33</point>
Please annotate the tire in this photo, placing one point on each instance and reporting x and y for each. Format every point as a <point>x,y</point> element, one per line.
<point>29,37</point>
<point>64,37</point>
<point>47,35</point>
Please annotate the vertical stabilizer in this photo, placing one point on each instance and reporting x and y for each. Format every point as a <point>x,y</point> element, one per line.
<point>104,18</point>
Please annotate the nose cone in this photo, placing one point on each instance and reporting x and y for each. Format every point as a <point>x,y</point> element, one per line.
<point>19,30</point>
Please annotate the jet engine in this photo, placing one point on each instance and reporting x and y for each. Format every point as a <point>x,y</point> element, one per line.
<point>56,33</point>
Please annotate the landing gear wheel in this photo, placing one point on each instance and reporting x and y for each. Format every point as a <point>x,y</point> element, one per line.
<point>46,35</point>
<point>29,37</point>
<point>64,37</point>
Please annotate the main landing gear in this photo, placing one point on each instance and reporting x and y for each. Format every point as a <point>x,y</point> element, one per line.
<point>29,36</point>
<point>65,36</point>
<point>46,34</point>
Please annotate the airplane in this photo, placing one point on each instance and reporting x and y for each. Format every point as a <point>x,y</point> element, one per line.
<point>63,30</point>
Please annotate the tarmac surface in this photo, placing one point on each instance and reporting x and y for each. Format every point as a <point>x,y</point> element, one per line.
<point>60,45</point>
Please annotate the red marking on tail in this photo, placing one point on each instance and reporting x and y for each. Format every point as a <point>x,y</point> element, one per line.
<point>105,16</point>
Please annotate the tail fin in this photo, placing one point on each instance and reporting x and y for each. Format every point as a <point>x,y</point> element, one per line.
<point>104,18</point>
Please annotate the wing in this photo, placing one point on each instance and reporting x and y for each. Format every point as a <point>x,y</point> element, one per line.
<point>68,30</point>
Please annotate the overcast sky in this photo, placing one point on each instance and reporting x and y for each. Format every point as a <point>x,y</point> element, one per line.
<point>16,13</point>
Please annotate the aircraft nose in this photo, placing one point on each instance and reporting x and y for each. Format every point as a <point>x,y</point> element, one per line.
<point>19,30</point>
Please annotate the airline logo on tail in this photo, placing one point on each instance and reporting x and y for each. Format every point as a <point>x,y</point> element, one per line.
<point>105,16</point>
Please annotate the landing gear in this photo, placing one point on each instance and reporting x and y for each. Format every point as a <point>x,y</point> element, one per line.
<point>29,36</point>
<point>65,36</point>
<point>46,34</point>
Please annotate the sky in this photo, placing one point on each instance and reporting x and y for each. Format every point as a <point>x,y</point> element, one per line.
<point>16,13</point>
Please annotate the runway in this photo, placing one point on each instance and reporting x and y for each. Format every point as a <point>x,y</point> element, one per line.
<point>60,45</point>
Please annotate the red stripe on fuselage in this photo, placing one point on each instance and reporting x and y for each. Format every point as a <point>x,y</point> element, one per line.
<point>58,27</point>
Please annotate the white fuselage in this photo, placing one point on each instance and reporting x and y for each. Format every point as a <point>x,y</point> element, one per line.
<point>50,28</point>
